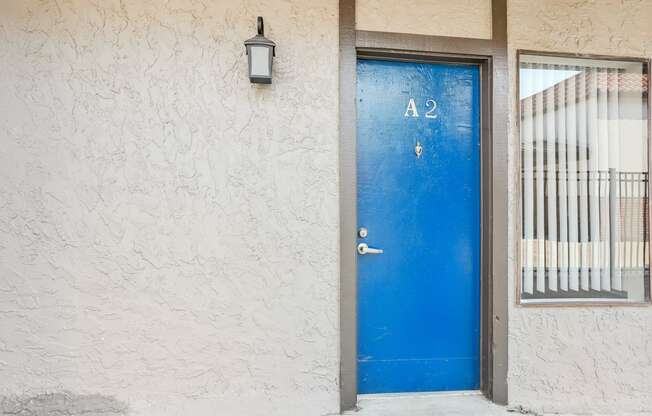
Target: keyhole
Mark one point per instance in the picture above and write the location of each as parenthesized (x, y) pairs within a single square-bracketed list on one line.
[(418, 150)]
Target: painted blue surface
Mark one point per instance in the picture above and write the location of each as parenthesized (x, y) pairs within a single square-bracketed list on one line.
[(419, 301)]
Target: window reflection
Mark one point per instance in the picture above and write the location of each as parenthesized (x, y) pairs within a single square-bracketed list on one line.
[(584, 180)]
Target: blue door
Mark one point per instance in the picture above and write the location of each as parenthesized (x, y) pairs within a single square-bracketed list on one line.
[(418, 167)]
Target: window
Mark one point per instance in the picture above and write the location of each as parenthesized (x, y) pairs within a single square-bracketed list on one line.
[(584, 180)]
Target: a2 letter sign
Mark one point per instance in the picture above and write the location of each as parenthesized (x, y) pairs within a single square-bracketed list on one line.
[(412, 111)]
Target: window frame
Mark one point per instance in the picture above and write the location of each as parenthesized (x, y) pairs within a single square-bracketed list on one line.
[(647, 66)]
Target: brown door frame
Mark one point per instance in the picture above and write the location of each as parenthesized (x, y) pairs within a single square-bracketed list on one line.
[(491, 55)]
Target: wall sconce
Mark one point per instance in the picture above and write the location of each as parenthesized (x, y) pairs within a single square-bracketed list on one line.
[(260, 53)]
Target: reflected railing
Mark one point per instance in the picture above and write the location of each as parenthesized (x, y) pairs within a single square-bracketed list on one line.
[(618, 201)]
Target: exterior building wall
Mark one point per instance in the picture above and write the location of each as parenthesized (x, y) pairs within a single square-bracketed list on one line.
[(168, 232), (459, 18), (584, 359)]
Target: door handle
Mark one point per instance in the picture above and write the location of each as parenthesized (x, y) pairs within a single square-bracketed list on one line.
[(363, 249)]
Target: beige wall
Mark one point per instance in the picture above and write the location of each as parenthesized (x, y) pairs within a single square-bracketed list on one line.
[(168, 232), (577, 359), (460, 18)]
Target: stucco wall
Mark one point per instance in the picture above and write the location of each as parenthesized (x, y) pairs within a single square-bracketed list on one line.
[(168, 232), (577, 359), (460, 18)]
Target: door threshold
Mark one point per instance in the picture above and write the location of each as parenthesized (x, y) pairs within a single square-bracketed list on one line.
[(408, 395), (447, 403)]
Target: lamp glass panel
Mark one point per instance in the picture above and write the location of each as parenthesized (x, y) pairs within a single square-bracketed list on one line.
[(260, 61)]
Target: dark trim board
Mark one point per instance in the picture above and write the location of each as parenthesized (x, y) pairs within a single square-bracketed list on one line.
[(348, 197), (499, 218), (491, 56)]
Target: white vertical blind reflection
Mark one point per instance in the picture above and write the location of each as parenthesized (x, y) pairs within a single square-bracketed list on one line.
[(593, 183), (539, 183), (583, 207), (583, 180), (528, 189), (613, 89), (562, 143), (550, 176), (573, 193)]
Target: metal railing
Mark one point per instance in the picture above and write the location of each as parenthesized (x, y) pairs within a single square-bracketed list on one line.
[(622, 205)]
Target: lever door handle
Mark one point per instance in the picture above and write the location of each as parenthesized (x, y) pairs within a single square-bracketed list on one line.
[(363, 249)]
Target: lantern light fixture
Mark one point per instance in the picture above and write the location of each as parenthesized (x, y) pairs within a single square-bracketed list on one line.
[(260, 54)]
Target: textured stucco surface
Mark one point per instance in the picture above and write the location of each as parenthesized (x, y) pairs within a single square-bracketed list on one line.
[(461, 18), (168, 232), (62, 403), (579, 360)]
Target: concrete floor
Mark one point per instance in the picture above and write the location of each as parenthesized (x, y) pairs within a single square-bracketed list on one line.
[(429, 404)]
